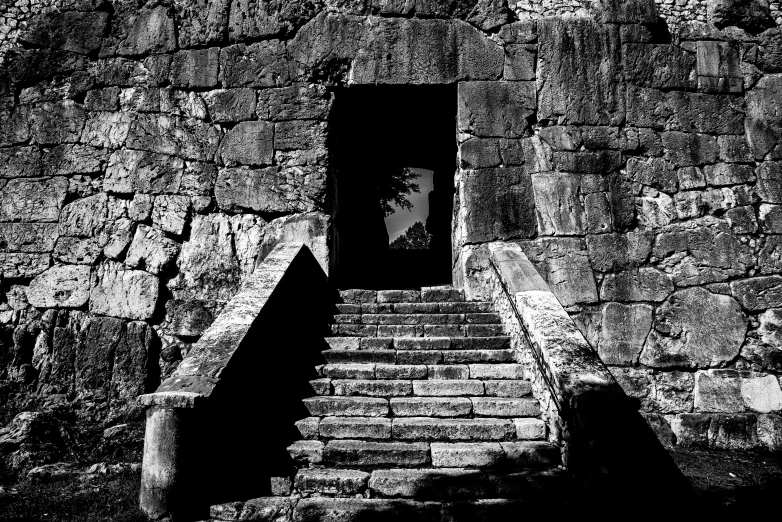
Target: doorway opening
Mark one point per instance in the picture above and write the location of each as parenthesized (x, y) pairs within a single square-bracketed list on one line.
[(394, 150)]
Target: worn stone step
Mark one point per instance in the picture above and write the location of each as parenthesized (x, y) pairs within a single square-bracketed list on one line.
[(355, 428), (360, 356), (508, 388), (505, 407), (354, 330), (430, 484), (407, 319), (328, 481), (449, 371), (428, 428), (419, 330), (325, 509), (494, 454), (359, 343), (497, 371), (347, 406), (478, 356), (373, 387), (401, 371), (349, 371), (441, 293), (500, 342), (448, 388), (422, 343), (431, 406), (306, 452), (347, 453), (358, 296)]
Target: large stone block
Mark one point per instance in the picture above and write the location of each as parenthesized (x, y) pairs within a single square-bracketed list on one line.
[(231, 105), (625, 11), (564, 264), (719, 68), (249, 143), (643, 284), (659, 66), (195, 69), (14, 127), (201, 22), (695, 328), (313, 229), (33, 200), (758, 293), (763, 127), (731, 391), (611, 252), (496, 109), (117, 292), (60, 287), (74, 31), (107, 129), (55, 123), (271, 189), (685, 111), (250, 20), (687, 149), (558, 204), (769, 182), (151, 250), (28, 237), (171, 213), (624, 330), (579, 73), (134, 172), (20, 162), (188, 318), (300, 101), (751, 15), (258, 65), (186, 138), (142, 31), (496, 204), (653, 172), (14, 265)]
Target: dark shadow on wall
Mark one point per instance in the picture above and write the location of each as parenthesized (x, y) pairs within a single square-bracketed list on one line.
[(250, 419), (621, 469), (387, 127)]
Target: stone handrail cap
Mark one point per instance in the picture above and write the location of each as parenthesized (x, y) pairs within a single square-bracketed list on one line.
[(172, 399)]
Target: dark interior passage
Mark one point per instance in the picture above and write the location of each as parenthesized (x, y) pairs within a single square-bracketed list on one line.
[(378, 129)]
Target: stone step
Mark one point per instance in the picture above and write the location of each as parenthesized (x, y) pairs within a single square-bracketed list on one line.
[(417, 319), (419, 343), (433, 294), (502, 358), (421, 330), (321, 508), (467, 307), (522, 454), (347, 406), (433, 429), (357, 453), (355, 428), (418, 372)]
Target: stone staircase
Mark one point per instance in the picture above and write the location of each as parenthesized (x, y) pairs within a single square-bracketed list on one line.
[(421, 412)]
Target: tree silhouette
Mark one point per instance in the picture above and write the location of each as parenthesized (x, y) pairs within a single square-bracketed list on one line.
[(394, 184), (415, 238)]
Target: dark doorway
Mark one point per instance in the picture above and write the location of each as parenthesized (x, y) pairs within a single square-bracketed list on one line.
[(378, 129)]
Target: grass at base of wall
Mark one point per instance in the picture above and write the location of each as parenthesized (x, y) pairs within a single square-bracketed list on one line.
[(102, 499)]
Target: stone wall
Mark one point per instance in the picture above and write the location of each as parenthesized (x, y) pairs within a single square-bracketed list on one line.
[(152, 151), (641, 176)]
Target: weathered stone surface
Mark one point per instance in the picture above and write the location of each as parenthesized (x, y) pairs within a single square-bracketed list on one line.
[(719, 67), (731, 391), (207, 267), (610, 252), (644, 284), (624, 330), (659, 66), (170, 213), (20, 162), (270, 189), (60, 287), (32, 200), (653, 172), (331, 481), (14, 265), (151, 250), (497, 204), (687, 149), (764, 104), (78, 32), (769, 182), (258, 65), (728, 174), (97, 222), (107, 129), (27, 237), (141, 31), (249, 21), (201, 22), (301, 101), (73, 159), (496, 109), (231, 105), (479, 153), (579, 73), (195, 69), (132, 294), (188, 318), (564, 264), (627, 12), (558, 204), (133, 172), (186, 138), (752, 16), (758, 293), (249, 143), (55, 123), (695, 328)]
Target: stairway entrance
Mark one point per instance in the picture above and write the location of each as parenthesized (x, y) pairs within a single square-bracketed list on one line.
[(377, 132)]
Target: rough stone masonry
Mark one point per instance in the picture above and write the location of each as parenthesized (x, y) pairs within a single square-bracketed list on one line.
[(152, 151)]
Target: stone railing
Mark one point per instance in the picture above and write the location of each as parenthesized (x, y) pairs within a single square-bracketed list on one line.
[(214, 427), (605, 442)]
